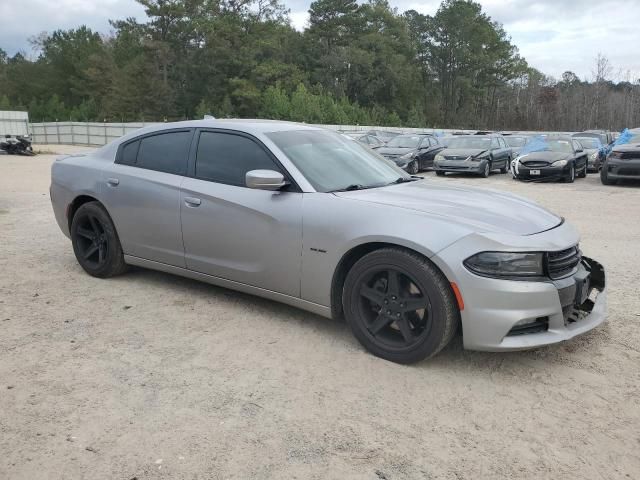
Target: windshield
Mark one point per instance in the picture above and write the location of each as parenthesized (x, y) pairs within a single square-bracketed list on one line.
[(558, 145), (405, 141), (515, 141), (331, 162), (483, 143), (590, 143)]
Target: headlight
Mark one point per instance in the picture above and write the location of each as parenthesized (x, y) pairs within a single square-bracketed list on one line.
[(407, 155), (438, 158), (593, 156), (476, 159), (506, 264), (559, 163)]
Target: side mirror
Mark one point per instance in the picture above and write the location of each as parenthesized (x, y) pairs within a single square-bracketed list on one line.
[(265, 180)]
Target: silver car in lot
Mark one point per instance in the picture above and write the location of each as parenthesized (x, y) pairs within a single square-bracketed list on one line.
[(310, 218)]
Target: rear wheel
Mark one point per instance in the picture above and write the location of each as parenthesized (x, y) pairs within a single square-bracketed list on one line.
[(399, 306), (95, 241), (505, 169)]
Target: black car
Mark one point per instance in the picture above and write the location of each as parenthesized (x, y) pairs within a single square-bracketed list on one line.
[(622, 163), (474, 154), (370, 140), (412, 152), (551, 158), (595, 152)]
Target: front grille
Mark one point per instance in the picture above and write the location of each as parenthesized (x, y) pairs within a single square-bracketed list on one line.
[(455, 157), (563, 263), (535, 163)]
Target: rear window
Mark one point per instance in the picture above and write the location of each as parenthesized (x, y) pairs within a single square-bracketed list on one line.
[(165, 152)]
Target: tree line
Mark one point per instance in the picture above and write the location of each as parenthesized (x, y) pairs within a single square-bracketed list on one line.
[(365, 64)]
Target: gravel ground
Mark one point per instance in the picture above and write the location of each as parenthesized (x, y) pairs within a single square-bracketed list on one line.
[(152, 376)]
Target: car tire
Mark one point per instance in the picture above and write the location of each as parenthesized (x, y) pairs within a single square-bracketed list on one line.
[(604, 176), (572, 174), (381, 296), (413, 167), (583, 173), (95, 241), (505, 169), (487, 170), (439, 173)]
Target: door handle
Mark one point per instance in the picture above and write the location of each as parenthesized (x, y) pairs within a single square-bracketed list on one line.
[(114, 182), (192, 201)]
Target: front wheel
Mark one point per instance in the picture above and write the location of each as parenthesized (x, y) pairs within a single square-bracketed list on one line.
[(604, 176), (399, 306), (572, 174), (95, 241), (413, 167), (583, 172), (487, 170), (439, 173)]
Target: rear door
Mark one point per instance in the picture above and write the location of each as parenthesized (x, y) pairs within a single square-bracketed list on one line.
[(141, 192), (235, 232)]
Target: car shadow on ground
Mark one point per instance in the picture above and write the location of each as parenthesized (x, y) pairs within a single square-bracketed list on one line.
[(452, 358)]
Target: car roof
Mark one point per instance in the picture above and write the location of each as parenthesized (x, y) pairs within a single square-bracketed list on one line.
[(253, 126)]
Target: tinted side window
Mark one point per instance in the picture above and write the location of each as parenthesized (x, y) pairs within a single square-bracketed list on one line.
[(226, 158), (166, 152), (129, 153), (494, 143)]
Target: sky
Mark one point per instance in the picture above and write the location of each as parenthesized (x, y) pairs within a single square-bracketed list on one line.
[(552, 35)]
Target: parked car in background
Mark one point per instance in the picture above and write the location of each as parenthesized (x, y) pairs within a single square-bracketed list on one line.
[(405, 261), (623, 163), (516, 142), (383, 135), (595, 152), (554, 157), (412, 152), (604, 136), (370, 140), (480, 154)]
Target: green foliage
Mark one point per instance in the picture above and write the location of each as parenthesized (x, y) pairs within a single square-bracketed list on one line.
[(356, 63)]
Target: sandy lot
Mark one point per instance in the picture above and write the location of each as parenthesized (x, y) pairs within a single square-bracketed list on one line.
[(151, 376)]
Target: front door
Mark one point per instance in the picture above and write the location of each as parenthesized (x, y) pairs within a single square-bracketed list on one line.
[(235, 232)]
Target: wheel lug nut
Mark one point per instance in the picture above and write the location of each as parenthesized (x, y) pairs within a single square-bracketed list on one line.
[(398, 315), (388, 312), (393, 297), (402, 305), (386, 301)]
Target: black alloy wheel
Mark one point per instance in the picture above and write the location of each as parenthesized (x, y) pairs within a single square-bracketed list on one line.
[(95, 242), (413, 167), (399, 305)]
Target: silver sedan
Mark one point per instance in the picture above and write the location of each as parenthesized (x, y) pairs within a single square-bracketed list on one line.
[(310, 218)]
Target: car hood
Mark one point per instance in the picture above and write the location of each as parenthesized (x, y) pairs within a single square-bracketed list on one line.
[(462, 152), (480, 210), (394, 151), (546, 156)]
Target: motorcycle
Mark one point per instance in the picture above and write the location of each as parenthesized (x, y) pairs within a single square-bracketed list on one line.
[(18, 145)]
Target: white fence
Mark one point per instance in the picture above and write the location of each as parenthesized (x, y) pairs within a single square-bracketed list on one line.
[(98, 134), (14, 123), (81, 133)]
